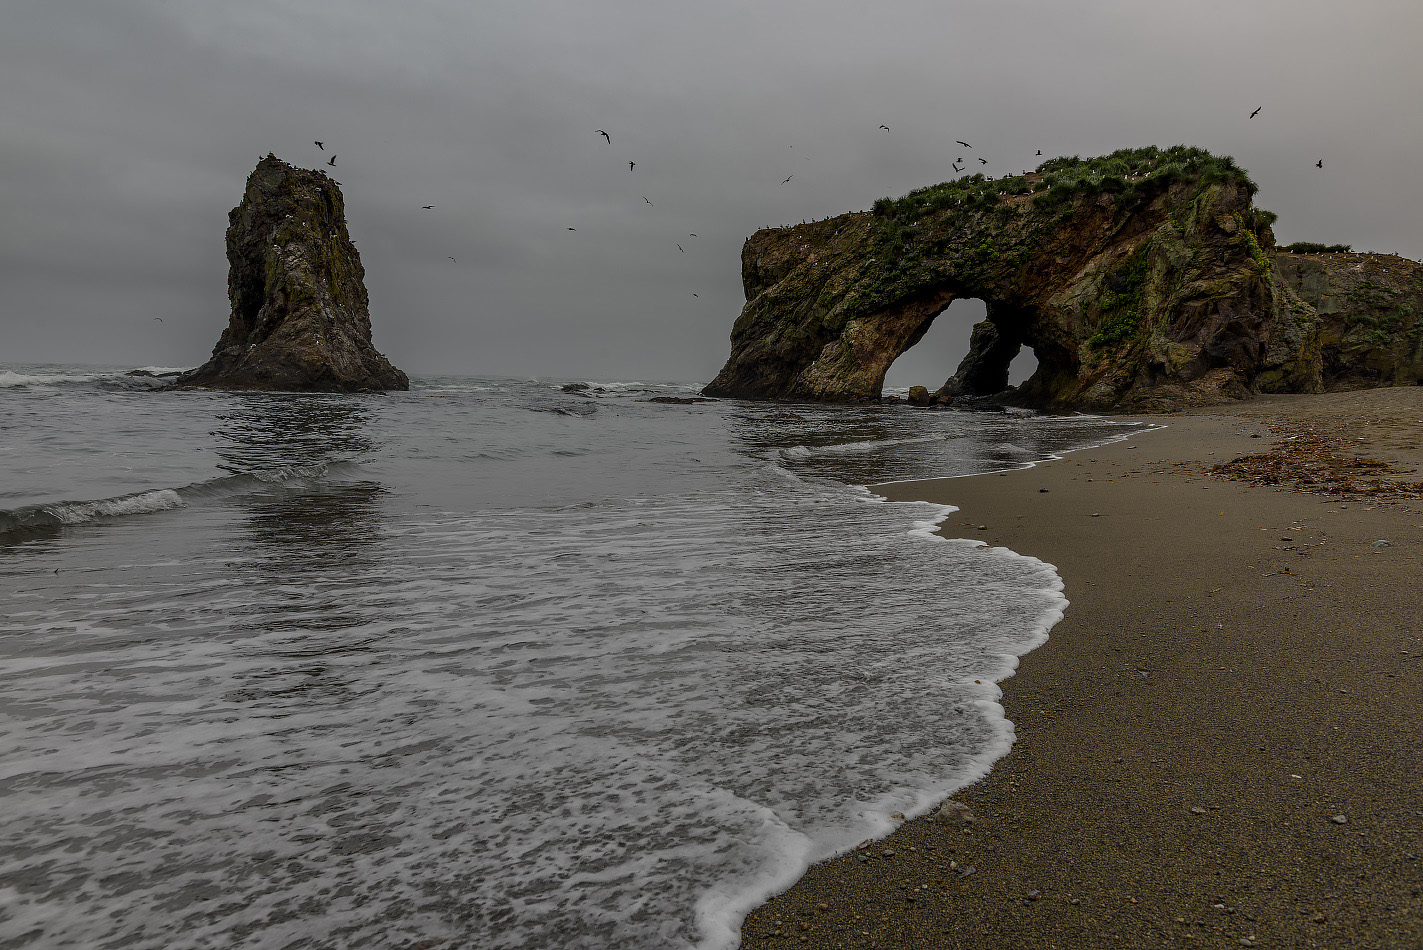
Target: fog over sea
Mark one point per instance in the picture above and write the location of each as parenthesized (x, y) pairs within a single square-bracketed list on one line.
[(487, 663)]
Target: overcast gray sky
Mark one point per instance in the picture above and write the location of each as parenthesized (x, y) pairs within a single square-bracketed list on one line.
[(128, 127)]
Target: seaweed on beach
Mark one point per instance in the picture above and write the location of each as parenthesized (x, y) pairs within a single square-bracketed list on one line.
[(1308, 461)]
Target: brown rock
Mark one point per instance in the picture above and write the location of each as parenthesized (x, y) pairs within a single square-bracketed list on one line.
[(299, 318)]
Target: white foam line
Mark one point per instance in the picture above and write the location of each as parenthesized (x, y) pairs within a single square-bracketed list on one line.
[(853, 448), (1152, 427), (720, 914)]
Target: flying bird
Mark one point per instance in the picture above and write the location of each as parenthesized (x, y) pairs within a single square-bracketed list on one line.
[(984, 160), (605, 135), (696, 295), (1319, 164), (957, 169), (454, 260), (691, 235), (644, 198), (787, 178), (964, 144), (321, 146), (159, 319), (885, 127), (427, 207), (573, 229), (1040, 151), (679, 247), (632, 165), (1256, 112), (332, 161)]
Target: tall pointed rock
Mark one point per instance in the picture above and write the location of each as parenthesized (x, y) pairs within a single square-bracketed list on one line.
[(299, 317)]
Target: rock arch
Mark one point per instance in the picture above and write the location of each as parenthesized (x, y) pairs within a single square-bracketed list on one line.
[(1144, 280)]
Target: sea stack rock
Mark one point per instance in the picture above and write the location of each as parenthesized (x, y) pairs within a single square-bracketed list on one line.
[(299, 319), (1143, 281)]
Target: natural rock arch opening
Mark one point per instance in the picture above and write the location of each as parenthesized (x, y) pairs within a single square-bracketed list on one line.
[(1010, 359), (939, 354), (1023, 367), (939, 351)]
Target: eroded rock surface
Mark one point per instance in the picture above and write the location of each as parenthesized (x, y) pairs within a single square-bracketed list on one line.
[(1143, 281), (300, 319)]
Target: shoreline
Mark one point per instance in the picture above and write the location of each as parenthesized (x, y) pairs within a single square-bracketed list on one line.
[(1238, 667)]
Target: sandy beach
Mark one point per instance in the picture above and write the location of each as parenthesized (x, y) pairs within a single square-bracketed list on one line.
[(1219, 744)]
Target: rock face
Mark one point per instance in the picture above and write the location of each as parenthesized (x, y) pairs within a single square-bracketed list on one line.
[(1142, 281), (299, 317)]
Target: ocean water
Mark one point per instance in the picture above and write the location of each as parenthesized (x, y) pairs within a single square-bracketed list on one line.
[(487, 663)]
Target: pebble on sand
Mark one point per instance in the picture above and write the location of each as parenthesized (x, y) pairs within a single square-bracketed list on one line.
[(953, 812)]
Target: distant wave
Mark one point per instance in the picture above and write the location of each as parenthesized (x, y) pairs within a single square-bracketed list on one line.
[(148, 377), (65, 514)]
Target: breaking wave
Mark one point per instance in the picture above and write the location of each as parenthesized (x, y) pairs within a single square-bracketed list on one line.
[(68, 514), (65, 514)]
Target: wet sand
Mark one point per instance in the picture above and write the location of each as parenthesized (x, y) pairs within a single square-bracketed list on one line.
[(1219, 746)]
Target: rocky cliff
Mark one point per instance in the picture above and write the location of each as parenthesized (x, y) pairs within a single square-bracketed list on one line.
[(1143, 281), (299, 317)]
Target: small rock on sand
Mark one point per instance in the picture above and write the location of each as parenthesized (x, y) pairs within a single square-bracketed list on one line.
[(1340, 819), (953, 812)]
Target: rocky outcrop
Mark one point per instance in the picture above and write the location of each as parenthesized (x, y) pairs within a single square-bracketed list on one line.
[(1351, 321), (1142, 281), (299, 317)]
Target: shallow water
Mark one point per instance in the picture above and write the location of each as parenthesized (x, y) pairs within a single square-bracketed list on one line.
[(487, 662)]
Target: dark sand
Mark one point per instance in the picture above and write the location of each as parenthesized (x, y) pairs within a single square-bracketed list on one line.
[(1245, 651)]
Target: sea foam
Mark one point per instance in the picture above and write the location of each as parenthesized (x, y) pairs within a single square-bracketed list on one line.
[(437, 667)]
